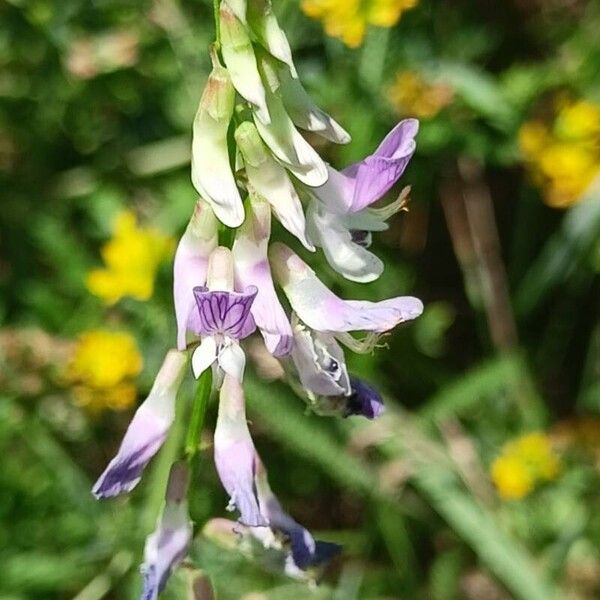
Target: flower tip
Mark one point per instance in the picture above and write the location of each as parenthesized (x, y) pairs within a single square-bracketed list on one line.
[(115, 480)]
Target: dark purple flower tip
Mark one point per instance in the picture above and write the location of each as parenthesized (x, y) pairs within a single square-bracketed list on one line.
[(225, 313), (365, 400), (307, 552), (361, 237)]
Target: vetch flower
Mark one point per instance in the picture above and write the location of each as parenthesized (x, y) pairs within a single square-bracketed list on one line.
[(320, 362), (132, 258), (224, 318), (212, 175), (146, 432), (239, 58), (364, 400), (190, 267), (345, 239), (252, 268), (281, 136), (305, 550), (322, 310), (267, 178), (101, 369), (234, 453), (363, 183), (167, 546)]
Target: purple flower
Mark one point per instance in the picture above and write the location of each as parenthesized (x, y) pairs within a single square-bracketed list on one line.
[(364, 400), (252, 268), (146, 432), (167, 546), (305, 550), (190, 267), (322, 310), (365, 182), (234, 453), (320, 362), (223, 318)]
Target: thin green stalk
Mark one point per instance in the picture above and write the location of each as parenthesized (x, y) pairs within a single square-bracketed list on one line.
[(203, 391), (216, 4)]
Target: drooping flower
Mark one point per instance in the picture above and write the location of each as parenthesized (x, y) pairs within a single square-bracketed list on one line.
[(212, 175), (102, 368), (190, 268), (305, 550), (146, 432), (167, 546), (224, 318), (234, 453), (523, 464), (348, 19), (252, 268), (319, 361), (318, 307), (364, 400), (132, 258)]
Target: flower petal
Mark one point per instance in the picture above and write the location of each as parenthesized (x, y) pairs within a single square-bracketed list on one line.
[(320, 362), (306, 552), (224, 313), (167, 546), (322, 310), (344, 255), (146, 432), (365, 400), (233, 360), (190, 267), (204, 356), (234, 453), (252, 268)]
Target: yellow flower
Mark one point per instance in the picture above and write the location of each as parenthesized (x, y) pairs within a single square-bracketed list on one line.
[(132, 258), (348, 19), (522, 464), (563, 156), (411, 94), (101, 369)]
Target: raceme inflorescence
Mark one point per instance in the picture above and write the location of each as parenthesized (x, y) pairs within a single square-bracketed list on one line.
[(251, 166)]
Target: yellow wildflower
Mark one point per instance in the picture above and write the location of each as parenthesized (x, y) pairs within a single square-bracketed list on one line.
[(101, 369), (348, 19), (412, 95), (522, 464), (563, 156), (132, 258)]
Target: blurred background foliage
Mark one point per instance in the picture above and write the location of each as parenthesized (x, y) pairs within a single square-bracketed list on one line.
[(482, 479)]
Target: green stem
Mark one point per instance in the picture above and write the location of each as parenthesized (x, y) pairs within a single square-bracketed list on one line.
[(203, 391), (216, 4)]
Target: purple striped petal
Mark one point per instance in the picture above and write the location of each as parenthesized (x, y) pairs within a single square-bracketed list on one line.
[(225, 313)]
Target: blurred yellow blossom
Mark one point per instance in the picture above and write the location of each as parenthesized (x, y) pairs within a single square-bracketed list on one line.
[(563, 156), (522, 464), (132, 258), (348, 19), (101, 369), (412, 95)]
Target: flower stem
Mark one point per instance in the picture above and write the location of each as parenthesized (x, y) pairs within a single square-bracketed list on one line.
[(216, 4), (201, 398)]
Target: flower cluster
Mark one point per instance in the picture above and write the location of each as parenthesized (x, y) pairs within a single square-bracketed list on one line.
[(563, 155), (132, 258), (523, 464), (101, 370), (412, 94), (348, 19), (227, 284)]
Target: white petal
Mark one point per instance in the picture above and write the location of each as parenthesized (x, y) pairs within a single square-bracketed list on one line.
[(204, 356), (347, 258), (233, 360)]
